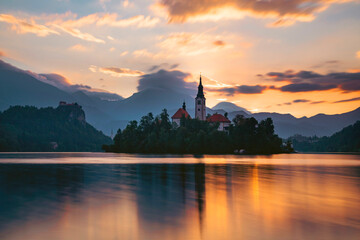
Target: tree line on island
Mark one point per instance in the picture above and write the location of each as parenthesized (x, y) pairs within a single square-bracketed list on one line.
[(159, 135)]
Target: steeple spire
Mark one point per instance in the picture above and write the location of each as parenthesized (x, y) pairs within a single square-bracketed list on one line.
[(184, 105), (200, 93)]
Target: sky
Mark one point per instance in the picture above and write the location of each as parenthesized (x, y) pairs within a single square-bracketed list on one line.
[(288, 56)]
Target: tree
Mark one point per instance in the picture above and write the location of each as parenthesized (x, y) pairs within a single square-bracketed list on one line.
[(194, 136)]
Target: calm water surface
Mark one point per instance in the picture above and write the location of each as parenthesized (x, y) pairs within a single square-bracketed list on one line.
[(117, 196)]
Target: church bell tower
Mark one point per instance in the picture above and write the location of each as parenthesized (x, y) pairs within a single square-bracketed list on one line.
[(200, 107)]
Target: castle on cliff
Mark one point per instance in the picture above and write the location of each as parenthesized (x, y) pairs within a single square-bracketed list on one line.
[(200, 112)]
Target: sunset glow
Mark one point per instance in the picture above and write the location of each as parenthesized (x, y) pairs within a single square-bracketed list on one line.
[(298, 57)]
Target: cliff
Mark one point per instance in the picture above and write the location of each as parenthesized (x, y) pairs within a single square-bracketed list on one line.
[(48, 129)]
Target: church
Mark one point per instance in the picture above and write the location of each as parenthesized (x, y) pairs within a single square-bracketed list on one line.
[(200, 112)]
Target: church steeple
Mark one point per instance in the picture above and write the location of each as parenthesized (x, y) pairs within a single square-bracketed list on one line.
[(200, 93), (200, 106), (184, 105)]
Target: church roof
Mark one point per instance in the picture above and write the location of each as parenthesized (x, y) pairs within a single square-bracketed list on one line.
[(180, 113), (218, 118)]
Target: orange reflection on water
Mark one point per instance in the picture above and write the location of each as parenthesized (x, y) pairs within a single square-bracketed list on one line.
[(182, 201)]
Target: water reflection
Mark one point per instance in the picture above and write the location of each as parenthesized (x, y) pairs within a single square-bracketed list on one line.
[(179, 201)]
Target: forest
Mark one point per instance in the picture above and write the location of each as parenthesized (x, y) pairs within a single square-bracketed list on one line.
[(346, 140), (29, 129), (159, 135)]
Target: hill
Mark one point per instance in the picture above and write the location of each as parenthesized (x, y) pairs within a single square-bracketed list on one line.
[(63, 129), (346, 140), (229, 107)]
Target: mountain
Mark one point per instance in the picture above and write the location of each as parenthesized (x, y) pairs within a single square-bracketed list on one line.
[(19, 88), (229, 107), (63, 129), (347, 140), (109, 112), (105, 111), (151, 100), (287, 125)]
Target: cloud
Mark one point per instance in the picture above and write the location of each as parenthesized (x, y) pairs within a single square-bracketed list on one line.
[(348, 100), (358, 54), (169, 80), (318, 102), (55, 80), (219, 43), (305, 81), (163, 66), (30, 26), (120, 72), (64, 84), (301, 101), (124, 53), (305, 87), (79, 48), (2, 54), (243, 89), (116, 72), (93, 68), (191, 44), (330, 63), (143, 53), (22, 26), (78, 34), (285, 13), (69, 23), (106, 19)]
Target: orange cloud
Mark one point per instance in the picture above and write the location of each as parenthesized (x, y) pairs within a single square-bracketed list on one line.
[(23, 26), (79, 48), (286, 13), (78, 34), (124, 53), (144, 53), (358, 54), (192, 44), (107, 19), (116, 72)]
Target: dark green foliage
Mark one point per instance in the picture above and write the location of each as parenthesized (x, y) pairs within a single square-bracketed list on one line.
[(347, 140), (29, 129), (158, 135)]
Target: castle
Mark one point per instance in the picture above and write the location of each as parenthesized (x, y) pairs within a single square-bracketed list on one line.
[(200, 112)]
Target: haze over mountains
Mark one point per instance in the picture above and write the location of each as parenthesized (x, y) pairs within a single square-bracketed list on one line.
[(108, 111)]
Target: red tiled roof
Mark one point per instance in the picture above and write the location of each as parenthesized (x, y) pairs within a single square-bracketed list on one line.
[(180, 113), (218, 118)]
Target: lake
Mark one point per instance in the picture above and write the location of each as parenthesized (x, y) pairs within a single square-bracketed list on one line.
[(123, 196)]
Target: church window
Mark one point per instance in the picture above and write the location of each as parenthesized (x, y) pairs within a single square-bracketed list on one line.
[(199, 109), (199, 101)]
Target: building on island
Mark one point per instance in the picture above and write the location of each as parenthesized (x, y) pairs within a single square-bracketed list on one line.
[(200, 112), (224, 123), (179, 114), (63, 103)]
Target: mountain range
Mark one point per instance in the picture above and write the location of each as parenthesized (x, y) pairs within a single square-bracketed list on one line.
[(108, 111)]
